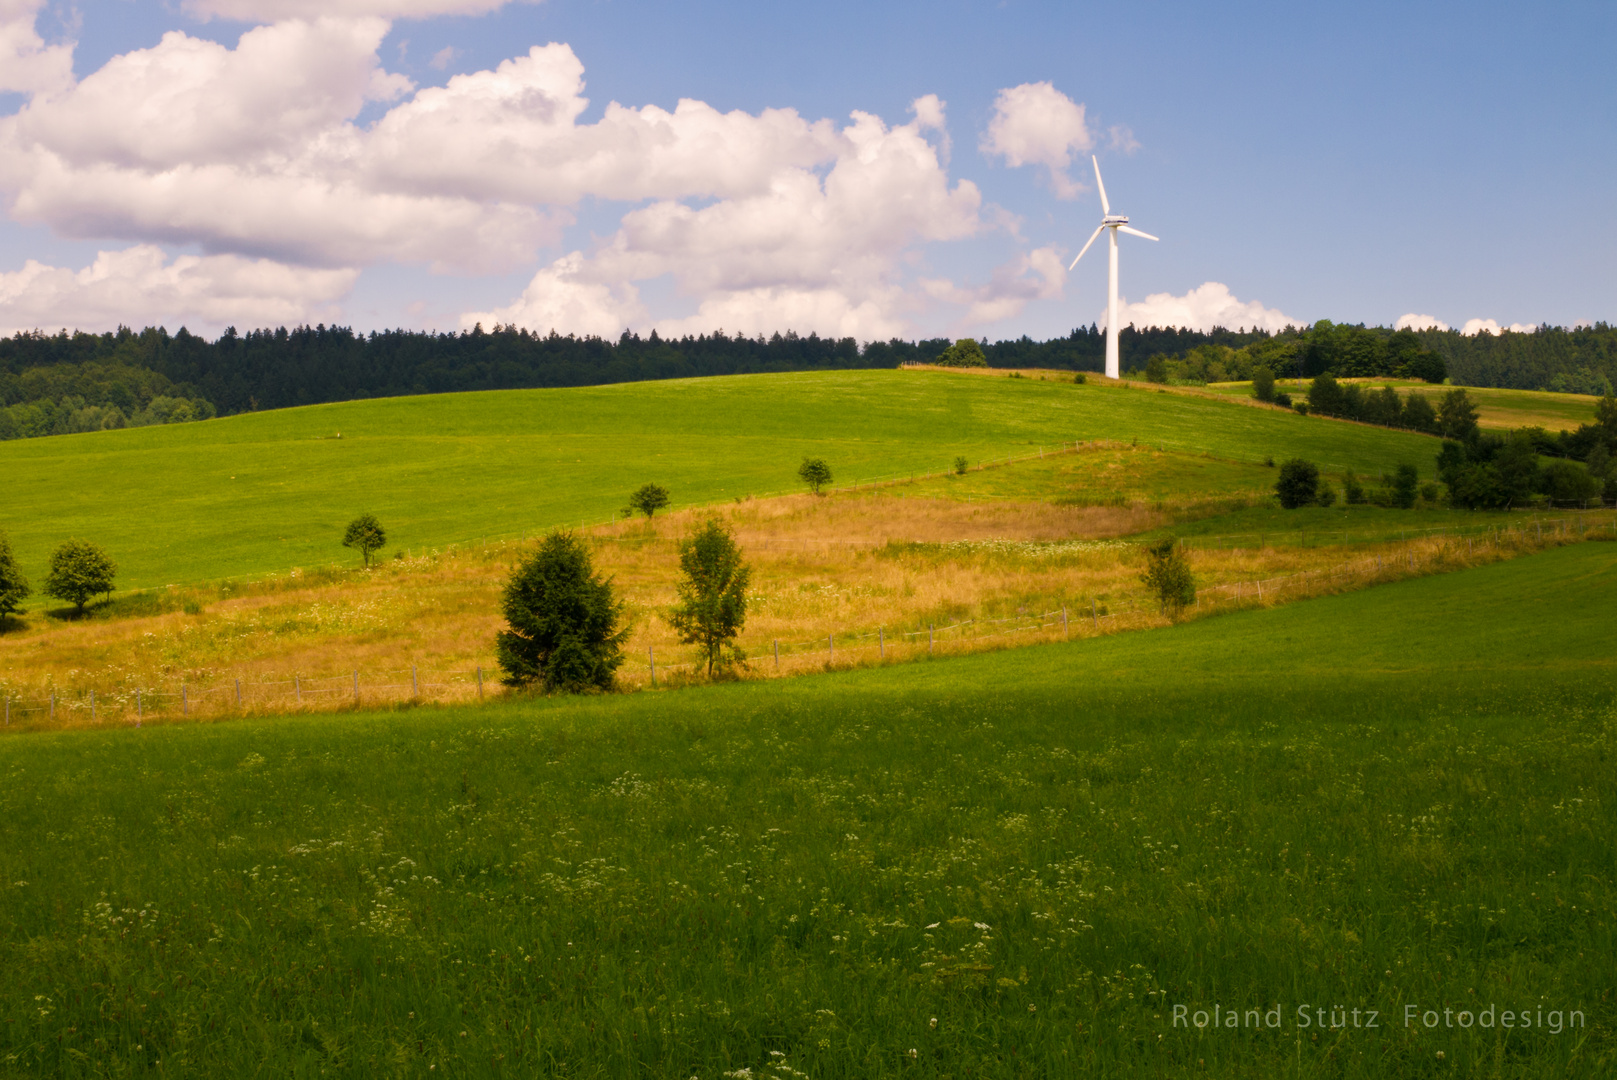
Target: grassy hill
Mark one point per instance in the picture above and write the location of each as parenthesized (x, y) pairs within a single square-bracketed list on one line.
[(1502, 410), (262, 492), (1018, 864)]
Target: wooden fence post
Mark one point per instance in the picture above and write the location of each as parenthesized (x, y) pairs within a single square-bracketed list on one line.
[(480, 680), (1093, 618), (415, 688), (881, 643), (1065, 632), (297, 687), (777, 654), (651, 658), (356, 686), (831, 647), (185, 702), (931, 633), (92, 706)]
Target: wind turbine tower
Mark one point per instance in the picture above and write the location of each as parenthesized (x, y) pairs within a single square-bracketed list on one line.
[(1116, 223)]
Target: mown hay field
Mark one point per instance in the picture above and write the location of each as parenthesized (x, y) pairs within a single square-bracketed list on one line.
[(1027, 863)]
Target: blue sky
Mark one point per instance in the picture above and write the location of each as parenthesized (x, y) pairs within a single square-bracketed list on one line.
[(1356, 162)]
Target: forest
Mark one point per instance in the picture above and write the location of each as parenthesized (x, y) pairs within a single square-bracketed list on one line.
[(77, 381)]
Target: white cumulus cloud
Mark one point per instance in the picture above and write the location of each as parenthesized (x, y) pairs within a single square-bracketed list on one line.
[(1202, 308), (140, 286), (1473, 327), (1036, 124), (1413, 321), (559, 299), (27, 64)]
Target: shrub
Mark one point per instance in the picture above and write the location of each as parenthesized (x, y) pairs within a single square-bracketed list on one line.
[(1352, 490), (563, 621), (712, 606), (1430, 492), (1300, 406), (1405, 483), (1325, 396), (1298, 484), (78, 571), (1263, 384), (1326, 495), (1167, 574), (366, 534), (964, 353), (14, 588), (1080, 378), (1456, 414), (1569, 482), (649, 499), (815, 473), (1284, 401), (1419, 415), (1156, 370), (960, 466)]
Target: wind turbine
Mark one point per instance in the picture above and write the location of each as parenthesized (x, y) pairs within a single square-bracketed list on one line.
[(1116, 223)]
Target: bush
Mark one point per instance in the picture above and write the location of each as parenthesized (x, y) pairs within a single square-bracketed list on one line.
[(1080, 378), (1284, 401), (563, 621), (1326, 496), (1419, 415), (1325, 396), (1300, 406), (14, 588), (1352, 490), (712, 606), (366, 534), (960, 466), (1405, 483), (1456, 414), (1167, 574), (78, 571), (815, 473), (1156, 370), (649, 499), (964, 353), (1298, 484), (1569, 482), (1431, 493), (1263, 384)]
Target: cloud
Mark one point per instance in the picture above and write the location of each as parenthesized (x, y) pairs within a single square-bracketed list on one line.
[(139, 286), (1036, 124), (27, 64), (513, 133), (1413, 321), (807, 253), (248, 150), (1202, 308), (269, 11), (1034, 275), (1473, 327), (559, 299), (443, 58)]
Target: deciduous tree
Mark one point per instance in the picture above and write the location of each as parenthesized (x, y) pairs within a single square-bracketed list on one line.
[(14, 588), (712, 591), (78, 571), (649, 499), (815, 473), (366, 534)]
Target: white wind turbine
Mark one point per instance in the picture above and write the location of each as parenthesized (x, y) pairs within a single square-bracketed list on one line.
[(1116, 223)]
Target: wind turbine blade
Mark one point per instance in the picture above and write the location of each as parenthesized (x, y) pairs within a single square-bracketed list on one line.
[(1105, 207), (1092, 237), (1135, 232)]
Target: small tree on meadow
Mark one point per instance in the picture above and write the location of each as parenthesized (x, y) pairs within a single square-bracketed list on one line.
[(1405, 486), (1167, 575), (78, 571), (649, 499), (563, 621), (14, 588), (1263, 384), (366, 534), (815, 473), (712, 606), (1298, 484)]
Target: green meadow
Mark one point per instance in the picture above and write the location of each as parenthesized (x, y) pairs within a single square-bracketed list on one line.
[(1501, 409), (1051, 861), (263, 492)]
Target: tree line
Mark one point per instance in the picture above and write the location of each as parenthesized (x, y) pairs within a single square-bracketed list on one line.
[(76, 381)]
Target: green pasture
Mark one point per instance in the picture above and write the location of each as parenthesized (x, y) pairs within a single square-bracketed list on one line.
[(1496, 408), (263, 492), (1008, 865)]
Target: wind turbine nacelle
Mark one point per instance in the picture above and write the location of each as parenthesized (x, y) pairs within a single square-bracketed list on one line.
[(1115, 219)]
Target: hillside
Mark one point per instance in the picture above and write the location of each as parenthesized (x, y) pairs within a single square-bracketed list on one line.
[(262, 492), (1008, 865)]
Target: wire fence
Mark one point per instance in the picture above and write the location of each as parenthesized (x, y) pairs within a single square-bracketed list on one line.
[(1078, 617)]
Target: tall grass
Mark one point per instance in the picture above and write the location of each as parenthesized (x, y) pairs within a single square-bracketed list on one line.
[(1009, 865)]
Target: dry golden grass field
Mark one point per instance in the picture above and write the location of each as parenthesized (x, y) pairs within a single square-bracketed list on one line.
[(1000, 556)]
